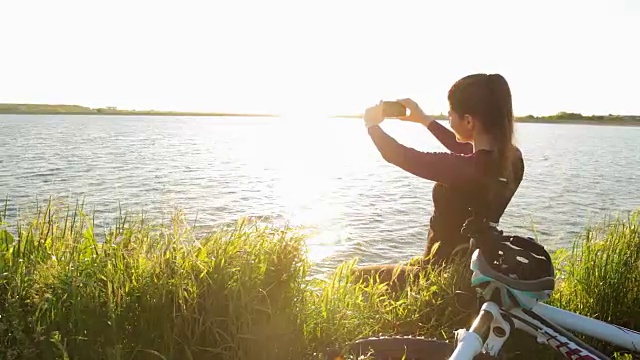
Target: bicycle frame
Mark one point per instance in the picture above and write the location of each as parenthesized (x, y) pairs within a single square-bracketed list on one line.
[(614, 334), (495, 324)]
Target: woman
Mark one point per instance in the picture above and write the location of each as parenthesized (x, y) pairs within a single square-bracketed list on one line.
[(483, 170)]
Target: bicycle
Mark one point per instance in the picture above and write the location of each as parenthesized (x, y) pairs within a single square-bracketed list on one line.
[(513, 276)]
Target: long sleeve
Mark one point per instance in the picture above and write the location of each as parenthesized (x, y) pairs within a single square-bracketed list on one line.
[(441, 167), (448, 139)]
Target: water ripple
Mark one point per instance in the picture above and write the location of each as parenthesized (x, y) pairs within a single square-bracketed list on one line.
[(328, 179)]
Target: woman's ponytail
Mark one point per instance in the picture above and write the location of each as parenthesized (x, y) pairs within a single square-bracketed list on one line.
[(501, 130)]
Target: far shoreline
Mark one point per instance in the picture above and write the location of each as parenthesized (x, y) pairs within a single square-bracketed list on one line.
[(142, 113), (536, 120), (632, 123), (68, 110), (581, 122)]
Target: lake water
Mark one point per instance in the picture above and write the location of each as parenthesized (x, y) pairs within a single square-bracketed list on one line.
[(325, 176)]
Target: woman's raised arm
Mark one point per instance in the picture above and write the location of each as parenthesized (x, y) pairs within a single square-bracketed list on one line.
[(448, 139)]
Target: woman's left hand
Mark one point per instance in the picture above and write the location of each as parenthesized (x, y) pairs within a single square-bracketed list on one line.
[(373, 116)]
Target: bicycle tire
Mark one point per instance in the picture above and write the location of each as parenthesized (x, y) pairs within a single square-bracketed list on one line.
[(402, 347)]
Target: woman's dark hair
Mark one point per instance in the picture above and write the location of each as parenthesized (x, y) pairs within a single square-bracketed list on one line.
[(487, 97)]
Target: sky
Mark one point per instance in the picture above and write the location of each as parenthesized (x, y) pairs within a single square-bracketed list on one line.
[(322, 57)]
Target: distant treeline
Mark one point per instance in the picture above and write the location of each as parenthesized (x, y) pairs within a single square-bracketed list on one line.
[(561, 116), (83, 110), (44, 109), (577, 116)]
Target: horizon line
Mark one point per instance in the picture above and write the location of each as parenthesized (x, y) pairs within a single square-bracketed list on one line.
[(112, 110)]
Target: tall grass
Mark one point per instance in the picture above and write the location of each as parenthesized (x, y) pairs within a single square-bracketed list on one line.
[(144, 290), (148, 291), (601, 273)]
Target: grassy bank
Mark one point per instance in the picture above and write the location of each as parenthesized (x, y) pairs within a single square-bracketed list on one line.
[(152, 291)]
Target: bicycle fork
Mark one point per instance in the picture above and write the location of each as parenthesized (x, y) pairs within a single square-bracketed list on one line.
[(488, 333), (492, 327)]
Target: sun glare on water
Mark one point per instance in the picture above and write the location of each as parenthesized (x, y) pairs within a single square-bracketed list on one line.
[(306, 184)]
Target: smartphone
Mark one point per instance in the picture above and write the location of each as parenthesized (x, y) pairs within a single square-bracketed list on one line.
[(391, 109)]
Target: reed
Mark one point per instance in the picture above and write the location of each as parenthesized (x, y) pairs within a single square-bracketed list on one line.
[(143, 290)]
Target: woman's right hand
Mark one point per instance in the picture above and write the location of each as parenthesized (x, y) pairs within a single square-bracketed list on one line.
[(415, 113)]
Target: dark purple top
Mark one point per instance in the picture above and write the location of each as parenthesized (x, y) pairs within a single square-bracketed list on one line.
[(464, 179)]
